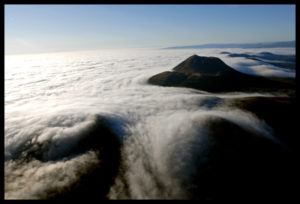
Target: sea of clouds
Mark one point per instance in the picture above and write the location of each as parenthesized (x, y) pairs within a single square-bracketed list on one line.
[(54, 98)]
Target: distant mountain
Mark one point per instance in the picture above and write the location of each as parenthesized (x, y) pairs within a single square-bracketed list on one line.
[(241, 45), (213, 75)]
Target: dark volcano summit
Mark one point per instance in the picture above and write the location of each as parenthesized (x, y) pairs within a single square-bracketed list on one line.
[(213, 75), (204, 65)]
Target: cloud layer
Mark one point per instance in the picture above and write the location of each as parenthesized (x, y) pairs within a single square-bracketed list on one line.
[(55, 98)]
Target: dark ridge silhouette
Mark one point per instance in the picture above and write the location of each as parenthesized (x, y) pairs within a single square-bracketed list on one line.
[(95, 182), (213, 75), (243, 164), (204, 65), (277, 112)]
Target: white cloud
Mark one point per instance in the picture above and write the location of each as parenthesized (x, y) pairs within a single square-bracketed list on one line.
[(56, 97)]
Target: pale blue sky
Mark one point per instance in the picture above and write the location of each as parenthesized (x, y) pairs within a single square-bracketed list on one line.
[(48, 28)]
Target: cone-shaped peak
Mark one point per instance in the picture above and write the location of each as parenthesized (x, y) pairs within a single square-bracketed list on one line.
[(213, 75), (202, 65)]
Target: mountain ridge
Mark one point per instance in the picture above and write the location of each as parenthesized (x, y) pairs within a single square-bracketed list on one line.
[(238, 45), (213, 75)]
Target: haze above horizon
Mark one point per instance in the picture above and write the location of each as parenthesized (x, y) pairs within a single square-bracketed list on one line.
[(55, 28)]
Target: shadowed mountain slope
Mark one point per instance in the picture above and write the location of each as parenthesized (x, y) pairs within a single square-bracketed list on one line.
[(242, 164), (278, 112), (213, 75)]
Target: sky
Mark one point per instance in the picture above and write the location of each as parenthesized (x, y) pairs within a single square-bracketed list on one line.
[(55, 28)]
